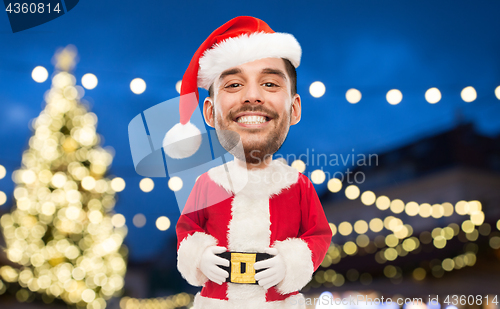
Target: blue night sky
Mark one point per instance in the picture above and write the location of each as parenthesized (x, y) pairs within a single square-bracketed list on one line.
[(373, 46)]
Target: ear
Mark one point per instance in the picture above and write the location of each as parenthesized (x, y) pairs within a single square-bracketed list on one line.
[(296, 110), (208, 112)]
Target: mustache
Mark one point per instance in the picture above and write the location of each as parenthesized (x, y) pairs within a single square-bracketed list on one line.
[(253, 108)]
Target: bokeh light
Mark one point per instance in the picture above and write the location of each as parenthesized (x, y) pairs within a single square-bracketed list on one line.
[(334, 185), (383, 202), (361, 227), (497, 92), (118, 220), (353, 96), (146, 184), (299, 165), (433, 95), (345, 228), (39, 74), (376, 225), (368, 198), (352, 192), (333, 227), (138, 85), (3, 172), (318, 177), (139, 220), (317, 89), (163, 223), (118, 184), (412, 209), (394, 96), (175, 183), (89, 81), (178, 86), (468, 94), (3, 198)]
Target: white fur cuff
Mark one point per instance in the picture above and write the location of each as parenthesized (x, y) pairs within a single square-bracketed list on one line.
[(298, 263), (189, 257)]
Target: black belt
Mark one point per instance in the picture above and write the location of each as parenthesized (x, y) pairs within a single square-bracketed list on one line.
[(241, 266)]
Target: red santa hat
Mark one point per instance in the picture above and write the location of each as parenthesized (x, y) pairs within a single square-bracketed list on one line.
[(242, 39)]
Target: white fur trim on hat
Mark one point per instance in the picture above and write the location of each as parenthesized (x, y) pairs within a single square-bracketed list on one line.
[(189, 257), (182, 141), (246, 48), (298, 263)]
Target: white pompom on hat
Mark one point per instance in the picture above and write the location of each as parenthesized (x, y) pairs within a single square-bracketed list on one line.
[(242, 39)]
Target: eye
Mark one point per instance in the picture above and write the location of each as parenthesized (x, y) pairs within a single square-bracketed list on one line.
[(233, 85), (270, 85)]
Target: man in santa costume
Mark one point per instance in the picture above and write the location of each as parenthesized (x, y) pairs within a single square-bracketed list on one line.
[(253, 230)]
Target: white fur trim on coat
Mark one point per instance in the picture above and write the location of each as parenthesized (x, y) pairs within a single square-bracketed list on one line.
[(254, 183), (250, 227), (189, 257), (292, 302), (298, 263), (246, 48)]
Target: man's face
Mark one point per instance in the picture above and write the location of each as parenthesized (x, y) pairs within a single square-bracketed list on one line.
[(254, 101)]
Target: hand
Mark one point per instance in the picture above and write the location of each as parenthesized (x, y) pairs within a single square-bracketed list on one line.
[(275, 271), (209, 262)]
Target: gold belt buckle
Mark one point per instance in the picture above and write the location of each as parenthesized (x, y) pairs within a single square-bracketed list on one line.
[(242, 270)]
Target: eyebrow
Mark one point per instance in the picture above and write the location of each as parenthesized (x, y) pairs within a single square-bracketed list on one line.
[(229, 72), (274, 71), (264, 71)]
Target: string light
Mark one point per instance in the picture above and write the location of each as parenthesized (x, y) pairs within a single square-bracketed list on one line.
[(352, 192), (138, 85), (3, 198), (139, 220), (334, 185), (383, 202), (318, 177), (299, 165), (3, 172), (468, 94), (175, 183), (433, 95), (170, 302), (333, 227), (317, 89), (368, 198), (178, 86), (345, 228), (146, 185), (163, 223), (394, 96), (361, 226), (353, 96), (118, 184), (392, 252)]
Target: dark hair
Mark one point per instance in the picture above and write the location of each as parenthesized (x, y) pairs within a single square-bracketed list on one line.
[(290, 71)]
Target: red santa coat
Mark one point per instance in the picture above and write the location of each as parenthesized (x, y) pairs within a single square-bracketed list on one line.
[(249, 211)]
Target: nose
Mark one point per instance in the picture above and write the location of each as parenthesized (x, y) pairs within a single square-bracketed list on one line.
[(253, 93)]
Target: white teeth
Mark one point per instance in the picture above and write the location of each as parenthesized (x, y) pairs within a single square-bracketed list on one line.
[(252, 119)]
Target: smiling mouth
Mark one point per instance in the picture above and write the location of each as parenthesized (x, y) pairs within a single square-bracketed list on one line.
[(252, 119)]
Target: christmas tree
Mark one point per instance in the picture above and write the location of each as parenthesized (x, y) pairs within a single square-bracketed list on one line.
[(61, 230)]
